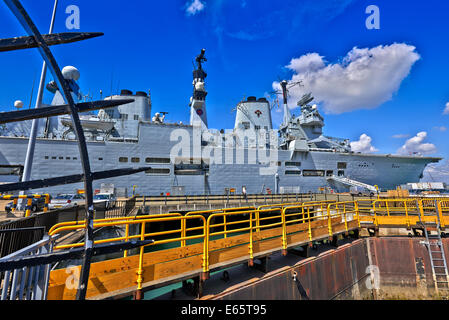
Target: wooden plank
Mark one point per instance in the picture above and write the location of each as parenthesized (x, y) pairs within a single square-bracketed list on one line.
[(129, 263), (121, 280), (302, 237), (266, 245), (119, 274), (220, 256)]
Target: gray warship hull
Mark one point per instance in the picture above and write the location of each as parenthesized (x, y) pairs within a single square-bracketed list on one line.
[(192, 159), (54, 158)]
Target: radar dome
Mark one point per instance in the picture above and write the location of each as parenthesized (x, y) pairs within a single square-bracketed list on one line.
[(18, 104), (70, 73)]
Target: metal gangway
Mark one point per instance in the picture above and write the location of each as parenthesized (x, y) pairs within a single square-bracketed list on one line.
[(353, 183), (173, 247)]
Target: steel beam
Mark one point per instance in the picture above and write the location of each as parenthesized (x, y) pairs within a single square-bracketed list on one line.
[(28, 42), (76, 178), (22, 16), (77, 253), (51, 111)]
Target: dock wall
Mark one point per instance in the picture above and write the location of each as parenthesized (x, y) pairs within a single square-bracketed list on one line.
[(370, 268)]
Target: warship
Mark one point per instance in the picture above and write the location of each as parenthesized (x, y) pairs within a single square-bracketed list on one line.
[(192, 159)]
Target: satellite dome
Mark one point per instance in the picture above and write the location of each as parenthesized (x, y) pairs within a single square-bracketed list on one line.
[(70, 73), (18, 104)]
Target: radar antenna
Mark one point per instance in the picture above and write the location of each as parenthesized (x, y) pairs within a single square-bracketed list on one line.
[(200, 59), (306, 99), (286, 86)]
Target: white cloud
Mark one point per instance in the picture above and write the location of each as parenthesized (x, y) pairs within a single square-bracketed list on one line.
[(442, 128), (311, 62), (194, 7), (416, 145), (446, 109), (401, 136), (364, 79), (437, 172), (363, 145)]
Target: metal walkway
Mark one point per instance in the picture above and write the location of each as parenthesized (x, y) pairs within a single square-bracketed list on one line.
[(192, 245), (352, 183)]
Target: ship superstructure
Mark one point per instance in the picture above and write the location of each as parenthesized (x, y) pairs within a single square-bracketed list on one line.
[(193, 159)]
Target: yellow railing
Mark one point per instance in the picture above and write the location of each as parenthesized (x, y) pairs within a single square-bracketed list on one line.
[(232, 228), (144, 222)]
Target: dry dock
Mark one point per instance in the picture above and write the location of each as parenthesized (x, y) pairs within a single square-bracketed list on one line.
[(323, 249)]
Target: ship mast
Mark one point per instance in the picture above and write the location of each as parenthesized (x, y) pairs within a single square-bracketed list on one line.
[(198, 115), (287, 114)]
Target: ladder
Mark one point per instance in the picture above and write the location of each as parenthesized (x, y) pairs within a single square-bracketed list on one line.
[(436, 254)]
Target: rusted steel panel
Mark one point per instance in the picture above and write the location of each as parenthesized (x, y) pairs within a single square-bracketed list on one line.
[(319, 278), (397, 261)]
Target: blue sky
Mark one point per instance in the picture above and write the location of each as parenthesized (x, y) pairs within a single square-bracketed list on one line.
[(151, 45)]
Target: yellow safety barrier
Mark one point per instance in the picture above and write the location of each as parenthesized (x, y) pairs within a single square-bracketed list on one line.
[(206, 240), (283, 205), (29, 201), (405, 212)]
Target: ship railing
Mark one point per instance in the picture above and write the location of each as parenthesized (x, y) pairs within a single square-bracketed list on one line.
[(136, 228), (290, 204), (26, 282), (403, 212), (347, 210), (224, 199), (206, 234), (203, 241)]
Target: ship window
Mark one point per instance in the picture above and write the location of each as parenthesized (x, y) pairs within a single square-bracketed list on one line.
[(136, 117), (123, 159), (313, 173), (100, 159), (293, 172), (292, 164), (341, 173), (61, 158), (53, 158), (135, 160), (341, 165), (67, 158), (257, 127), (329, 173), (47, 157), (124, 116), (157, 160), (75, 158), (158, 171), (245, 125)]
